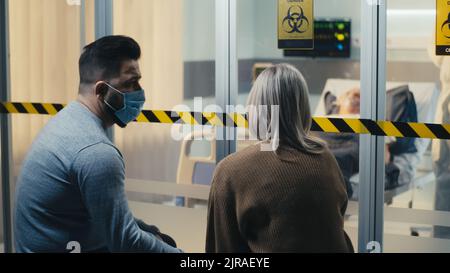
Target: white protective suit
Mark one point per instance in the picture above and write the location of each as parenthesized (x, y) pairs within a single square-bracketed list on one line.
[(441, 148)]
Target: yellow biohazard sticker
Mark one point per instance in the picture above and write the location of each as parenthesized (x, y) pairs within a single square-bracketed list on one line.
[(296, 24), (442, 27)]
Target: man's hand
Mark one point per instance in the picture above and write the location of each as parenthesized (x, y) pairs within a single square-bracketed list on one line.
[(156, 232)]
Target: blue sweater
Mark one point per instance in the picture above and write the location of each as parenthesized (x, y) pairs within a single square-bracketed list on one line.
[(71, 188)]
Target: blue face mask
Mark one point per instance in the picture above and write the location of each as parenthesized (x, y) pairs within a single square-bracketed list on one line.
[(133, 102)]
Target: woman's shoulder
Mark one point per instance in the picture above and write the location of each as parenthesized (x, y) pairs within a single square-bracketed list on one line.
[(327, 158), (327, 154)]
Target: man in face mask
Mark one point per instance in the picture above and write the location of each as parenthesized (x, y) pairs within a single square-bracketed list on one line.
[(70, 191), (115, 96)]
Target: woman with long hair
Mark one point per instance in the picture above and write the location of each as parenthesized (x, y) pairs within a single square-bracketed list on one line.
[(290, 198)]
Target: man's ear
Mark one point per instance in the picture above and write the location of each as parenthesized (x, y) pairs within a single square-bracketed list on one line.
[(100, 89)]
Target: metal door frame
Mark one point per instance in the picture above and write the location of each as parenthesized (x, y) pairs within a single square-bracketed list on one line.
[(373, 106)]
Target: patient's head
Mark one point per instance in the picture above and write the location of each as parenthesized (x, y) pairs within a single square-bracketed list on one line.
[(349, 102), (284, 86)]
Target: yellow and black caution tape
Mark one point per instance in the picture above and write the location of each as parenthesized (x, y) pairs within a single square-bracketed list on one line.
[(319, 124), (30, 108)]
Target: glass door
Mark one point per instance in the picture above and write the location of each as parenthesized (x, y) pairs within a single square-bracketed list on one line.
[(331, 69), (417, 178), (169, 167), (44, 46)]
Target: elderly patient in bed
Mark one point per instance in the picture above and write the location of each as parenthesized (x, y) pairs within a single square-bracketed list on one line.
[(400, 106)]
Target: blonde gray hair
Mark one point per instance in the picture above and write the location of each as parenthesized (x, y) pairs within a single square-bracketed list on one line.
[(284, 87)]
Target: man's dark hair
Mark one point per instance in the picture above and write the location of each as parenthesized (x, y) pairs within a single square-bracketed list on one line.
[(102, 59)]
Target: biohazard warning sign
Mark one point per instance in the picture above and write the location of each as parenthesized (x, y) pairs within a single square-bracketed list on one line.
[(442, 27), (296, 24)]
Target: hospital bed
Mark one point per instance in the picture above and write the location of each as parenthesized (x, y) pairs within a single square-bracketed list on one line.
[(413, 171)]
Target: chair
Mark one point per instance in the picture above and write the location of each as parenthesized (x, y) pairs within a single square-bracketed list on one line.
[(195, 169), (200, 170)]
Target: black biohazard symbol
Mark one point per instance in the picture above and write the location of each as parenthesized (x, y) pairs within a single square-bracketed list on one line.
[(446, 24), (295, 20)]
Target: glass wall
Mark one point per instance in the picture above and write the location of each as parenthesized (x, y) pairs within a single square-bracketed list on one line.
[(417, 179), (45, 44), (178, 66), (332, 73), (168, 172)]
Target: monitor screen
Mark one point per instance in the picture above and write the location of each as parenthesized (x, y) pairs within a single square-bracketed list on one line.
[(332, 38)]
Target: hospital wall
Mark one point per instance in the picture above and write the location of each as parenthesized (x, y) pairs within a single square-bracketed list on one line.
[(257, 42)]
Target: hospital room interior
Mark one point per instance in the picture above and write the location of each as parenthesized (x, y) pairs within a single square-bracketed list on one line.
[(167, 179)]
